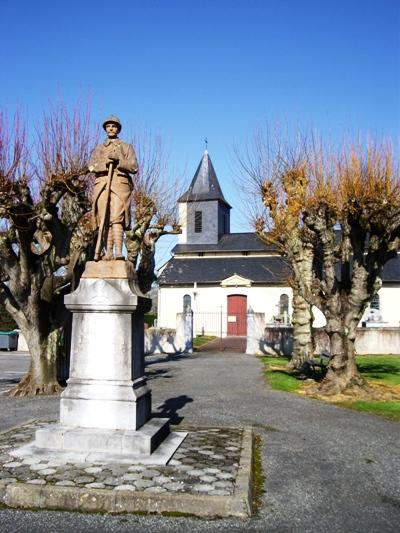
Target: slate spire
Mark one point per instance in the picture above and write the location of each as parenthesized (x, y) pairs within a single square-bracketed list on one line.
[(205, 185)]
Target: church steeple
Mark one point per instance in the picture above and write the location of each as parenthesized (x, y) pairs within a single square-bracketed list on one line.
[(205, 185), (204, 212)]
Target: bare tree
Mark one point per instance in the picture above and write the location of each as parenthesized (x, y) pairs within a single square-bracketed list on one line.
[(359, 189), (46, 237), (43, 232), (274, 179), (337, 218), (154, 208)]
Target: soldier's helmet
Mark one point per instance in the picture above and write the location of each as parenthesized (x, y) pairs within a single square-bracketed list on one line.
[(114, 120)]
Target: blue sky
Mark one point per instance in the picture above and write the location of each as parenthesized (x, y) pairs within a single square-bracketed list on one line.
[(217, 69)]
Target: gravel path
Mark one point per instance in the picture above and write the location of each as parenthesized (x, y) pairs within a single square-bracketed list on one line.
[(327, 469)]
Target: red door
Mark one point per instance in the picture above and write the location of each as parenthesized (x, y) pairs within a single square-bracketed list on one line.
[(237, 315)]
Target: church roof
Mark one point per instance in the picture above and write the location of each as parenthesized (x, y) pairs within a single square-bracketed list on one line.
[(204, 185), (229, 242), (186, 271), (271, 270), (391, 271)]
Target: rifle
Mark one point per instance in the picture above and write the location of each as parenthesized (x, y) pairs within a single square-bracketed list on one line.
[(103, 220)]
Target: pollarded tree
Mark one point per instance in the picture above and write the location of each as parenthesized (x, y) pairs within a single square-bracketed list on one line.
[(43, 233), (46, 236), (276, 174), (340, 220), (154, 208), (360, 190)]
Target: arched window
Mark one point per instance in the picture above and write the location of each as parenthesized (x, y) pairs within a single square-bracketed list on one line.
[(187, 303), (375, 302), (283, 304)]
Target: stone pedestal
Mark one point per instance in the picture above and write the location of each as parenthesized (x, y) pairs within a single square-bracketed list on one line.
[(105, 411), (107, 387)]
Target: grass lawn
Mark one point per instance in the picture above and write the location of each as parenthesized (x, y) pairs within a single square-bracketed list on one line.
[(381, 369), (387, 409)]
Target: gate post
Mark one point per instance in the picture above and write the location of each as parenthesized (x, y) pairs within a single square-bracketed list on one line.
[(184, 332), (255, 331), (188, 321), (250, 348)]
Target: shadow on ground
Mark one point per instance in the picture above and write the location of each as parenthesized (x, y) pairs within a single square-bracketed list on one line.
[(169, 409), (158, 373), (376, 370)]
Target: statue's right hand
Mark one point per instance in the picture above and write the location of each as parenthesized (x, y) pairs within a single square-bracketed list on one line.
[(112, 161), (113, 155)]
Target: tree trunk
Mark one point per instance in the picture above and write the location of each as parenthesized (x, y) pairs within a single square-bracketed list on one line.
[(302, 331), (342, 374), (301, 258), (42, 374)]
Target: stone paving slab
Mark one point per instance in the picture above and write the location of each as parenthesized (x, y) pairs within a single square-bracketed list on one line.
[(209, 475)]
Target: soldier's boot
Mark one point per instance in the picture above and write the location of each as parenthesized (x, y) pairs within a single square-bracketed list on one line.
[(118, 234), (109, 247)]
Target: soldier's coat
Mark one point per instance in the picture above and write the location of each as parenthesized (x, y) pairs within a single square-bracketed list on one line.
[(121, 185)]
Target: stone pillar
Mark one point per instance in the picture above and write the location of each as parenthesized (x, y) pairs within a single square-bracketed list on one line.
[(250, 345), (188, 318), (184, 332), (255, 332)]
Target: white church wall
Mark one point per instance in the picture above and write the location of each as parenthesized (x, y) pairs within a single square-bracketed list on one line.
[(208, 302), (389, 309), (319, 317), (389, 305), (182, 237), (170, 302)]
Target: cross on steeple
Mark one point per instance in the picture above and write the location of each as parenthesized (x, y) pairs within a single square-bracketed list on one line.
[(206, 143)]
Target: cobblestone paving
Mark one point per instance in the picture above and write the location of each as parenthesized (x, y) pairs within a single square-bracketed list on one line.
[(206, 463)]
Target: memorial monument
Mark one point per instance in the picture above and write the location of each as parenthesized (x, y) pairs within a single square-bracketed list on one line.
[(105, 411), (113, 164)]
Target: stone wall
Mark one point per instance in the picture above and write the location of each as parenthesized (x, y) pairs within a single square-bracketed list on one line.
[(381, 340), (271, 340), (278, 340), (170, 341), (378, 341)]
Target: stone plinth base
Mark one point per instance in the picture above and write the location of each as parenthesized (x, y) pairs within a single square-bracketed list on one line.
[(121, 442), (109, 270), (118, 405), (151, 444)]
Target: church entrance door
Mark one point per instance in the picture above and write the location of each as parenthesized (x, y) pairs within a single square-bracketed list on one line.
[(237, 315)]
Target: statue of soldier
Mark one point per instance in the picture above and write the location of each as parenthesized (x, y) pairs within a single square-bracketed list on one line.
[(113, 164)]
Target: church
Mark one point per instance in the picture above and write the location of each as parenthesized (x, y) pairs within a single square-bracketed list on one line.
[(222, 276)]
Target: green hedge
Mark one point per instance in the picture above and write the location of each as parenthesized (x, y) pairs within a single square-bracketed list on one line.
[(149, 319)]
